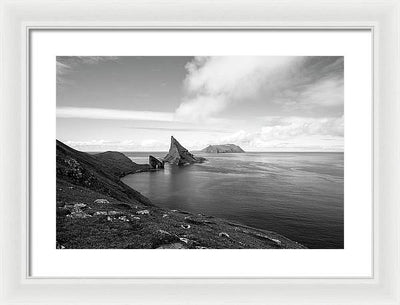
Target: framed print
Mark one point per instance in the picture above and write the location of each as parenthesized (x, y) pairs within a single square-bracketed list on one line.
[(236, 154), (198, 175)]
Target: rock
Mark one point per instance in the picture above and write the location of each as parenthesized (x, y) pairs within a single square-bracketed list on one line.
[(224, 148), (136, 218), (76, 211), (185, 226), (79, 205), (100, 213), (62, 211), (113, 213), (123, 218), (164, 232), (165, 215), (101, 201), (185, 240), (78, 215), (268, 238), (223, 234), (155, 163), (172, 246), (278, 242), (143, 212), (179, 155), (59, 246)]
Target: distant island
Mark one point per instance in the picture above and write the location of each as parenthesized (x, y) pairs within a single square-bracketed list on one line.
[(224, 148)]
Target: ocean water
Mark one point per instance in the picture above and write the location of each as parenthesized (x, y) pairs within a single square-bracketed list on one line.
[(298, 195)]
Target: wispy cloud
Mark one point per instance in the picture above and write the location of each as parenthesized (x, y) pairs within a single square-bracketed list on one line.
[(119, 114), (180, 129), (127, 145), (113, 114), (68, 64), (72, 61)]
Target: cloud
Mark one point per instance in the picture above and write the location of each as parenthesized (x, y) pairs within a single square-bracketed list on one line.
[(126, 145), (201, 107), (289, 127), (118, 114), (113, 114), (322, 93), (291, 132), (102, 145), (181, 129), (212, 84), (73, 61), (154, 144), (235, 76)]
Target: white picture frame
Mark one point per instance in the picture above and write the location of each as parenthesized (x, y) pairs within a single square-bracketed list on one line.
[(18, 18)]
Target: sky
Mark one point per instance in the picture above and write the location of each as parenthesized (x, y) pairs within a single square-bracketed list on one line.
[(262, 103)]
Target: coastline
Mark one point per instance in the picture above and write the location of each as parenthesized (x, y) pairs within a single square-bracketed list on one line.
[(95, 209)]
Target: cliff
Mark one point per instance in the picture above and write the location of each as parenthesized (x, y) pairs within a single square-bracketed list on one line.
[(179, 155), (99, 172), (224, 148)]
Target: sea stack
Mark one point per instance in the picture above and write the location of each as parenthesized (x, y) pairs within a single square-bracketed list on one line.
[(155, 163), (179, 155), (224, 148)]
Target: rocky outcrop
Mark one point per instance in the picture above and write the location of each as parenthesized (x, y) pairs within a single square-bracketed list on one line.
[(155, 163), (224, 148), (179, 155)]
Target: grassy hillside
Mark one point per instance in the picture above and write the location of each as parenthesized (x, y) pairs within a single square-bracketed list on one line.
[(100, 173)]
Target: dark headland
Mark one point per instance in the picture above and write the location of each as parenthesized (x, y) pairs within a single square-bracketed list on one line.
[(96, 210)]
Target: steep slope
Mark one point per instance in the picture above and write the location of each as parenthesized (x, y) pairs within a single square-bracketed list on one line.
[(99, 173), (224, 148), (179, 155)]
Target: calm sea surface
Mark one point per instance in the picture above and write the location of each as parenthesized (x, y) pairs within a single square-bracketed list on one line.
[(298, 195)]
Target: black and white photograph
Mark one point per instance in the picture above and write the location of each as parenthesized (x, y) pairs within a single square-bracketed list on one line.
[(199, 152)]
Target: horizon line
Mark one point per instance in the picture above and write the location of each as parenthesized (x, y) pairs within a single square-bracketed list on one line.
[(247, 151)]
